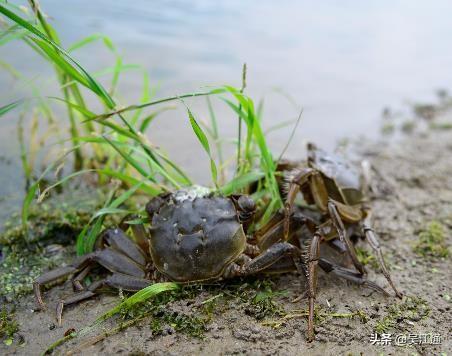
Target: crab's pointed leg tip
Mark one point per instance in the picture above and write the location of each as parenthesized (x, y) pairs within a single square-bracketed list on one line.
[(59, 313)]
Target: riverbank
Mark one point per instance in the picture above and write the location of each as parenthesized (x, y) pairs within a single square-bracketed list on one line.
[(413, 188)]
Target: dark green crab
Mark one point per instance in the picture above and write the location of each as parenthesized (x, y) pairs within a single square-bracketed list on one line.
[(194, 237)]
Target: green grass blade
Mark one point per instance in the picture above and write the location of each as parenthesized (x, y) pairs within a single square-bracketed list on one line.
[(184, 178), (205, 143), (9, 107), (62, 181), (137, 166), (160, 101), (127, 194), (127, 157), (93, 38), (34, 188), (12, 33), (88, 80), (292, 134), (241, 182), (81, 109), (110, 210), (88, 237), (80, 241), (145, 96), (58, 60), (148, 188), (216, 137), (140, 297), (148, 119)]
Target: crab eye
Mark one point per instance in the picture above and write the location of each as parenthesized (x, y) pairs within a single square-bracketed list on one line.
[(154, 206), (245, 203)]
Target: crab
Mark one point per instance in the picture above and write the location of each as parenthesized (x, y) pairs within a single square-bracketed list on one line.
[(194, 236), (337, 191)]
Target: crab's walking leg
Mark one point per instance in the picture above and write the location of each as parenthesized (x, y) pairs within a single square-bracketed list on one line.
[(244, 265), (77, 281), (116, 280), (372, 238), (349, 275), (313, 259), (78, 297), (299, 180), (117, 239), (269, 257), (273, 231), (342, 232), (108, 258), (57, 274)]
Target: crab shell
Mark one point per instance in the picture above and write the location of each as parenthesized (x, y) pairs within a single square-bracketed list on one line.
[(195, 239), (343, 182)]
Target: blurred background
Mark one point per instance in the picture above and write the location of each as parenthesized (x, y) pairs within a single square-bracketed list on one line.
[(341, 61)]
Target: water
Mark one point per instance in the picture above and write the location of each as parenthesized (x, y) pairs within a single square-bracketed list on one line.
[(342, 61)]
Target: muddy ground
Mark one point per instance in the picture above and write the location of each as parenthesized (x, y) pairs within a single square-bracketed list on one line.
[(417, 190)]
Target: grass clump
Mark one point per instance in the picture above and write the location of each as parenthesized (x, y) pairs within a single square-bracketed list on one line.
[(366, 258), (411, 309), (8, 326), (432, 241)]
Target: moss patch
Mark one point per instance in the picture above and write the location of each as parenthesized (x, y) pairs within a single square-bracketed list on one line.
[(8, 326), (55, 220), (255, 296), (367, 259), (20, 268), (191, 325), (432, 241), (411, 309), (51, 225)]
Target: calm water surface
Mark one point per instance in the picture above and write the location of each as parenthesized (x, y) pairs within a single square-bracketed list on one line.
[(342, 61)]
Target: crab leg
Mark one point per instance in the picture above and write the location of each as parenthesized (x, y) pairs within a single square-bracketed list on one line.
[(349, 275), (272, 232), (112, 260), (299, 180), (372, 238), (313, 259), (116, 280), (269, 257), (71, 300), (77, 281), (266, 259), (117, 239), (342, 233), (57, 274)]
